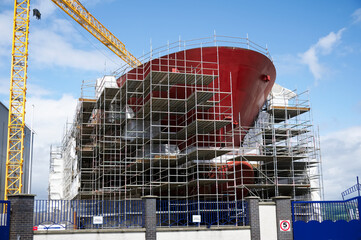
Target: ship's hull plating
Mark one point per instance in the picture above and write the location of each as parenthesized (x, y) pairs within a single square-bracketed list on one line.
[(246, 74)]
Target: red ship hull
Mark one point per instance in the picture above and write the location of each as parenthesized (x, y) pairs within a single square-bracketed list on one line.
[(246, 75)]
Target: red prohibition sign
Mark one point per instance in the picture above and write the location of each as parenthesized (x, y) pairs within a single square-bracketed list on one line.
[(285, 225)]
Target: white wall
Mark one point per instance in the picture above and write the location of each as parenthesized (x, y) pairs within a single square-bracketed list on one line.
[(244, 234), (204, 234), (267, 219), (91, 236)]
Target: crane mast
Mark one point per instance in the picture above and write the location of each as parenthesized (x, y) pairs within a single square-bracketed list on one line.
[(17, 99), (19, 63)]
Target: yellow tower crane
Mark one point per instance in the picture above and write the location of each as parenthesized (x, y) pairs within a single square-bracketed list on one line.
[(19, 63), (17, 99)]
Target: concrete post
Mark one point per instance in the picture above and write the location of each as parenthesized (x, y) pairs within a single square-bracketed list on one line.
[(21, 216), (150, 217), (253, 217), (283, 213)]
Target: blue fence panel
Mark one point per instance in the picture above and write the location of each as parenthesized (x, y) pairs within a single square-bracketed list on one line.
[(326, 210), (81, 214), (327, 230), (212, 213), (4, 220), (327, 220)]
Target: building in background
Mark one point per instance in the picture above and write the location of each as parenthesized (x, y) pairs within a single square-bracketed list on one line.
[(197, 121), (4, 115), (56, 189)]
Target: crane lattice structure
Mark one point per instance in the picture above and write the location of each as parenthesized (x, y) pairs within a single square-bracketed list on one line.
[(19, 63), (16, 122)]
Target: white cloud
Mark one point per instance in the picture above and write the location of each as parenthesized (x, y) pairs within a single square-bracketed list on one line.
[(49, 120), (327, 43), (324, 46), (64, 27), (49, 49), (310, 58), (356, 15), (36, 91), (341, 157), (56, 43)]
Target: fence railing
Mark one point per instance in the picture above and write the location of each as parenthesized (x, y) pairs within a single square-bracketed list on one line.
[(206, 213), (89, 214), (326, 210), (355, 188)]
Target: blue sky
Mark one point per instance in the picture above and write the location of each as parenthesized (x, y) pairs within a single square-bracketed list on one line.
[(316, 46)]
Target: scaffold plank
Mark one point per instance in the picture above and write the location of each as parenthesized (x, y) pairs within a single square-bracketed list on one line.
[(267, 158), (202, 126), (202, 154), (280, 134), (281, 113)]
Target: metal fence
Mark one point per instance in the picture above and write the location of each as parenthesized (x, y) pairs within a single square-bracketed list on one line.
[(326, 210), (87, 214), (352, 190), (207, 213)]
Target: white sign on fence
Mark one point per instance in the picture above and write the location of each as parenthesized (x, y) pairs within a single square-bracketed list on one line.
[(97, 219), (196, 218)]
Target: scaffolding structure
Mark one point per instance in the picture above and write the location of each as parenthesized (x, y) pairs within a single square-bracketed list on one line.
[(284, 149), (173, 133)]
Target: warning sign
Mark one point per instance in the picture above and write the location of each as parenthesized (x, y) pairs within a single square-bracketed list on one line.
[(285, 225)]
